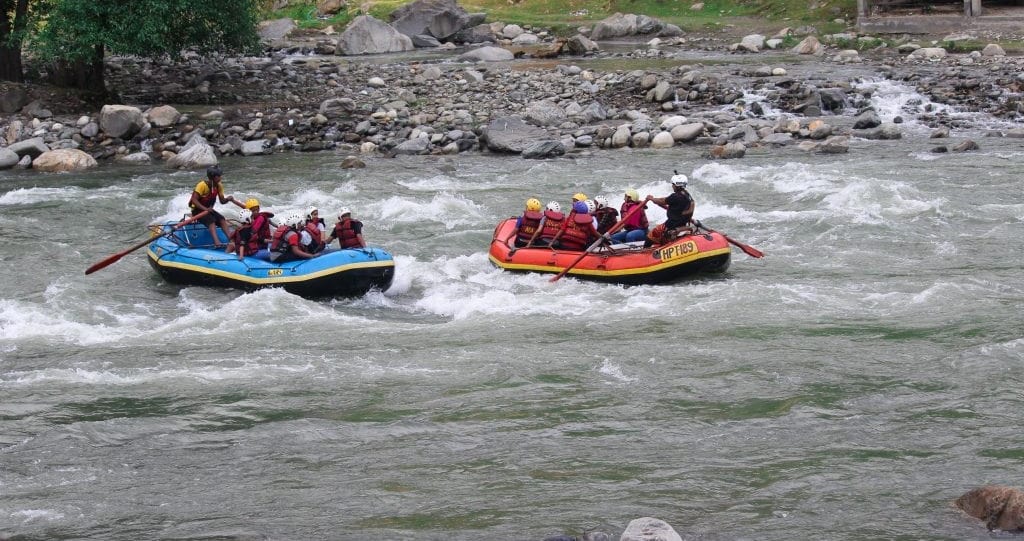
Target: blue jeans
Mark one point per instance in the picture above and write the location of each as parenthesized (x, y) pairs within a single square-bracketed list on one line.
[(629, 236)]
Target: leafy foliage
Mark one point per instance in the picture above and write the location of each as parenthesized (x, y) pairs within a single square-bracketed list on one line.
[(74, 29)]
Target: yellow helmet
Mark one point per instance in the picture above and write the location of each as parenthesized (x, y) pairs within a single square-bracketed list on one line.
[(579, 197), (632, 194), (252, 203), (533, 204)]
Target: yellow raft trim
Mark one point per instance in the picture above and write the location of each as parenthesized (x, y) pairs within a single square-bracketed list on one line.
[(275, 280), (622, 272)]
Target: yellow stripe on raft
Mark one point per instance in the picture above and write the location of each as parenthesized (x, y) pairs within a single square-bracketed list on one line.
[(275, 280), (622, 272)]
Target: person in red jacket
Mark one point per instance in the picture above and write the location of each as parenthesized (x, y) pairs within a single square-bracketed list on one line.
[(348, 231), (529, 223), (242, 238), (578, 231), (261, 225), (285, 244)]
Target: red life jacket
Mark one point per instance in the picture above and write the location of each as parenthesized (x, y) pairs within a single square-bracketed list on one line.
[(209, 199), (316, 242), (578, 232), (261, 227), (345, 234), (279, 242), (528, 226), (636, 221), (552, 224), (245, 236)]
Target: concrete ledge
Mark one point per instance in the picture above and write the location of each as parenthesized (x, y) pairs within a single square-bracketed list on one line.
[(937, 24)]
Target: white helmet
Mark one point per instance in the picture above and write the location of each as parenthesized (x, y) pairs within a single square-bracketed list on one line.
[(679, 181), (343, 212), (293, 220), (601, 201), (591, 207), (245, 216), (554, 206), (309, 213)]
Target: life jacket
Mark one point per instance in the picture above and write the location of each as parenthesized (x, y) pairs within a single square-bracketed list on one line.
[(261, 226), (606, 218), (279, 242), (244, 236), (209, 199), (637, 220), (316, 242), (345, 234), (577, 234), (552, 224), (657, 235), (529, 225)]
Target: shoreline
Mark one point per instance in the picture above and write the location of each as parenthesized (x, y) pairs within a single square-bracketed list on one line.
[(655, 92)]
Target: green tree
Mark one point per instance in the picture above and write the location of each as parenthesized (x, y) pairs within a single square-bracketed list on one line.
[(16, 18), (78, 33)]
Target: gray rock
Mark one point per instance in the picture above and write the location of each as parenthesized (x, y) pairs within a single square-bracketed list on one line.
[(276, 29), (368, 35), (419, 145), (543, 149), (30, 147), (487, 54), (544, 113), (649, 529), (13, 100), (438, 18), (121, 121), (255, 147), (965, 146), (90, 130), (511, 134), (867, 119), (163, 116), (8, 158), (480, 33)]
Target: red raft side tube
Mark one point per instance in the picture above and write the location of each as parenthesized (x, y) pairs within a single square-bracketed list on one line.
[(686, 256)]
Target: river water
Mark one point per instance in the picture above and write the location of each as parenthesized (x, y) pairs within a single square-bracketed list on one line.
[(847, 386)]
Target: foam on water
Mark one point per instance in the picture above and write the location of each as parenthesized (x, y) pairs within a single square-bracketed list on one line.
[(452, 210), (893, 99)]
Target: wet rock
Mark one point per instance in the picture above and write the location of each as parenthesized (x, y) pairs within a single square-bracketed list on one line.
[(63, 160), (544, 149), (649, 529), (965, 146), (352, 162), (1000, 507)]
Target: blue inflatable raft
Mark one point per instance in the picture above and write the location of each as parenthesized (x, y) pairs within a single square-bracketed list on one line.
[(186, 256)]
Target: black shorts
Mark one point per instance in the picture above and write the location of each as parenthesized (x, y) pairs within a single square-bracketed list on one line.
[(212, 217)]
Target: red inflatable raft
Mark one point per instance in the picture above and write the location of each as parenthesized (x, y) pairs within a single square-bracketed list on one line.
[(699, 253)]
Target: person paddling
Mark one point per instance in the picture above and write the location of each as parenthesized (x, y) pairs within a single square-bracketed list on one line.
[(205, 195), (679, 206)]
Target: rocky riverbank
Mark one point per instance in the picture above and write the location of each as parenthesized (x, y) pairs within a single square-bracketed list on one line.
[(536, 98)]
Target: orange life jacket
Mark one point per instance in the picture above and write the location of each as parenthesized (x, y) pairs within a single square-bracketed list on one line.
[(552, 224), (578, 232), (345, 234), (528, 226), (279, 242)]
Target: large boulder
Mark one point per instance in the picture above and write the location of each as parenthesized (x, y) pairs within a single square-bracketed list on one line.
[(121, 121), (196, 154), (8, 158), (616, 26), (13, 100), (368, 35), (275, 29), (438, 18), (30, 147), (63, 160), (1002, 508), (545, 113), (511, 134), (163, 116), (649, 529)]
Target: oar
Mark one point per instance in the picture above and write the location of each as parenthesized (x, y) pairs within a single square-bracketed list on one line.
[(112, 259), (749, 250), (598, 242)]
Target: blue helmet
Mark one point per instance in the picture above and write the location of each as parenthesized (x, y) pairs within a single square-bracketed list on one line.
[(580, 207)]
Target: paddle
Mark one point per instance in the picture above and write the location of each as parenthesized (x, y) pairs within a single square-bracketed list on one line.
[(112, 259), (749, 250), (598, 242)]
